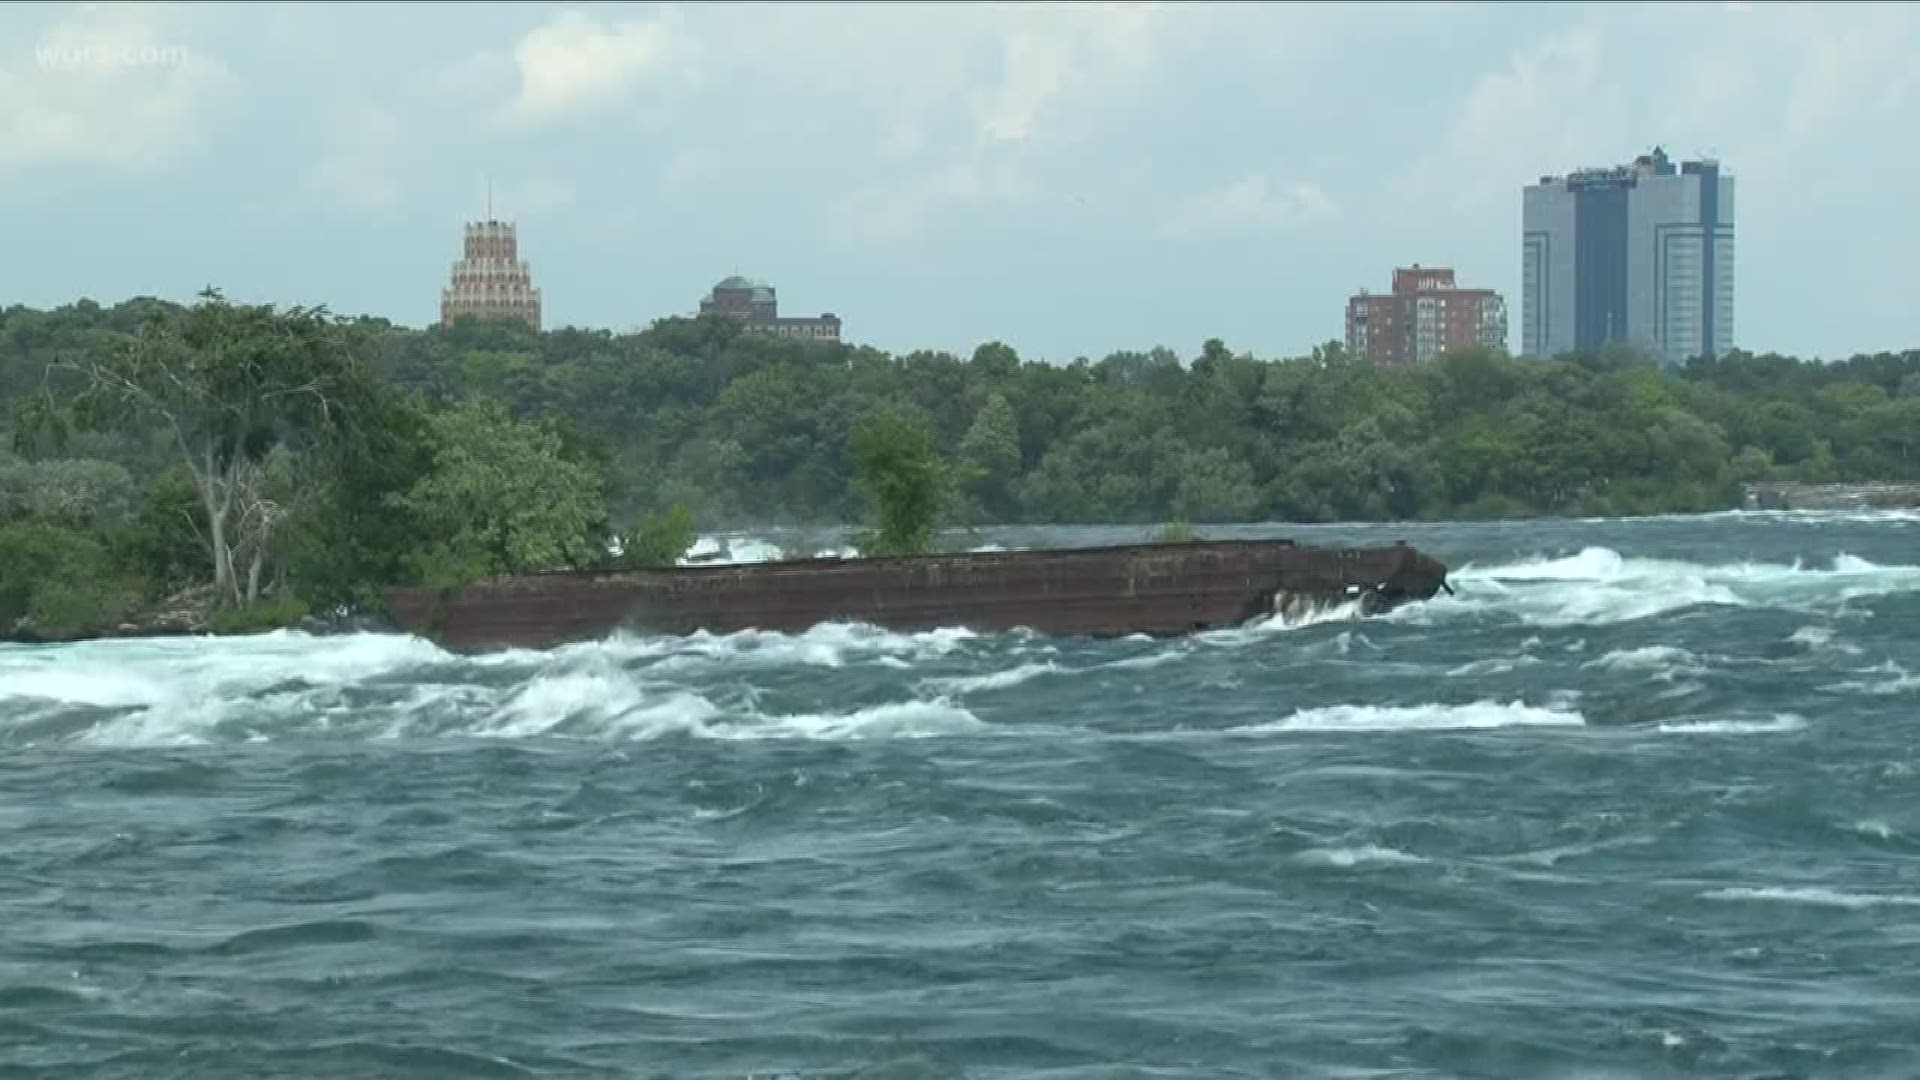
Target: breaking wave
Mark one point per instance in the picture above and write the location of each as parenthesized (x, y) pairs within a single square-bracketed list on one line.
[(1479, 715), (1894, 680), (1816, 896), (847, 681), (1649, 658), (291, 685), (1781, 723), (1364, 855), (739, 548), (1600, 586), (995, 680)]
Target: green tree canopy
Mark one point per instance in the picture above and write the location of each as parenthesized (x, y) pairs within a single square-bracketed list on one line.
[(501, 498), (894, 463), (227, 385)]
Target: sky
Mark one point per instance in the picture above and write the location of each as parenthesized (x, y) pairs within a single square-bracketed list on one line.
[(1070, 178)]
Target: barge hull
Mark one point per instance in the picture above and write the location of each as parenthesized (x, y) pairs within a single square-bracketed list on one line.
[(1155, 589)]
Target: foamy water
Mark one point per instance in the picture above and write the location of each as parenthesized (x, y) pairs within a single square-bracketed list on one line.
[(1637, 801)]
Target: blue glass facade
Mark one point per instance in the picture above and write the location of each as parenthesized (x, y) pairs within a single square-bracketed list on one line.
[(1709, 173), (1600, 262)]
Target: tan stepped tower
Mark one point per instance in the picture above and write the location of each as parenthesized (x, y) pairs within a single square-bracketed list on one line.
[(489, 280)]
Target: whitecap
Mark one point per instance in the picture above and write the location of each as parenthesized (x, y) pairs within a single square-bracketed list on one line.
[(993, 680), (1148, 660), (1432, 717), (1898, 680), (1817, 896), (549, 701), (1665, 659), (1365, 854), (1315, 615), (1493, 665), (181, 691), (829, 645), (1781, 723), (1599, 586), (895, 720)]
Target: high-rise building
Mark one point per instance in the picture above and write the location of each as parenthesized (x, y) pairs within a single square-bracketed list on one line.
[(490, 281), (1425, 315), (753, 303), (1640, 254)]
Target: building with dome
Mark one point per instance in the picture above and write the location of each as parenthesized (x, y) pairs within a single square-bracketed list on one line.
[(489, 280), (753, 303)]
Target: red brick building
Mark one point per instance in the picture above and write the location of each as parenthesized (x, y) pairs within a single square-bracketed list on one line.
[(490, 281), (753, 303), (1425, 315)]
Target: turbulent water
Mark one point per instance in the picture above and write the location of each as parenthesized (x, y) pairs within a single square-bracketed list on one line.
[(1639, 801)]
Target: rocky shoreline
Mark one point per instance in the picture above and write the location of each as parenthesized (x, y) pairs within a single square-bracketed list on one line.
[(1781, 495), (190, 614)]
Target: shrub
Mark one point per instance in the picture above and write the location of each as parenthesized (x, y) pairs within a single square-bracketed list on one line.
[(60, 582), (895, 464), (276, 613), (660, 539), (1174, 532)]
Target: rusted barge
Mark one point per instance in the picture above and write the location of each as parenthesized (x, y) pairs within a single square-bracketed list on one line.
[(1156, 589)]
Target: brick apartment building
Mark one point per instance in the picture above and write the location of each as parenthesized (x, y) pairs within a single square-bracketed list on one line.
[(1427, 314)]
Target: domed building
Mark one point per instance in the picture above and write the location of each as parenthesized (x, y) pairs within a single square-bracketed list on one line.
[(753, 303)]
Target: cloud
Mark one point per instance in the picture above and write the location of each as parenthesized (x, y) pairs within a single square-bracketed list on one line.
[(358, 171), (1544, 110), (1848, 71), (1036, 68), (1048, 49), (901, 209), (1252, 203), (104, 86), (1511, 113), (1060, 65), (576, 62)]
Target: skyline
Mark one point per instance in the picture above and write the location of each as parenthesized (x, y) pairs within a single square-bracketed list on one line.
[(1071, 179)]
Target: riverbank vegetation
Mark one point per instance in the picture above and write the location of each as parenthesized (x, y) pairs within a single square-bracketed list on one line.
[(234, 456), (229, 467)]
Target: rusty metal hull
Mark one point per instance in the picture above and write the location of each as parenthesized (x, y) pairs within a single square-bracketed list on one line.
[(1154, 589)]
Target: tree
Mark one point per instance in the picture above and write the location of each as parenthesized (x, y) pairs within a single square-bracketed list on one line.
[(749, 429), (996, 360), (229, 384), (657, 540), (990, 455), (67, 492), (56, 582), (501, 499), (1212, 485), (895, 465), (347, 538)]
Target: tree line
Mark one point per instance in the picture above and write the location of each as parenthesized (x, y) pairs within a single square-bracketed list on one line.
[(290, 457)]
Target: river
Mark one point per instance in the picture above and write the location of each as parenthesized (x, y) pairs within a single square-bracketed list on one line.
[(1638, 801)]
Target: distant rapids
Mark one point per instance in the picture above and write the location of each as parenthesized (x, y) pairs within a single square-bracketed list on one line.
[(1637, 801)]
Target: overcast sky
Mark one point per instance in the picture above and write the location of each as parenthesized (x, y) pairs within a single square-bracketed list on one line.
[(1070, 178)]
